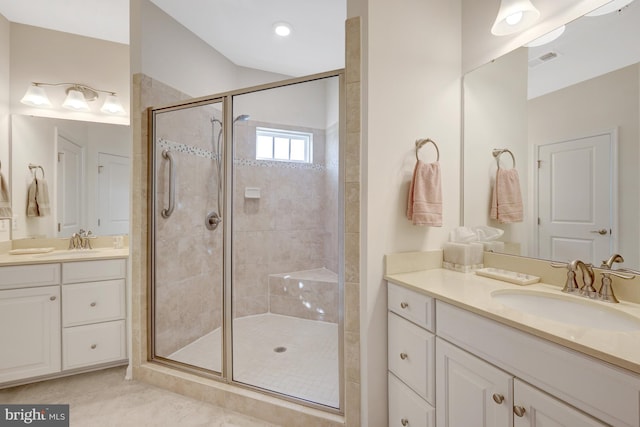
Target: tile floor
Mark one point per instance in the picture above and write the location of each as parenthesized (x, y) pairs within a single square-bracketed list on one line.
[(105, 399), (306, 369)]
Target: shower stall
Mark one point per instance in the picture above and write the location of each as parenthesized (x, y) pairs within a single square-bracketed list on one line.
[(246, 271)]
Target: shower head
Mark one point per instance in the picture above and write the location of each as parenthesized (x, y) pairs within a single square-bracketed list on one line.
[(241, 118)]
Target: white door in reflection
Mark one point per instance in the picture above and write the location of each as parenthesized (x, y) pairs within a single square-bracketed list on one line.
[(113, 194), (575, 205)]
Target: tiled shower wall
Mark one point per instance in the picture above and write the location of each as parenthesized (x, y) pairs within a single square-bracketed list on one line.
[(292, 226), (188, 291)]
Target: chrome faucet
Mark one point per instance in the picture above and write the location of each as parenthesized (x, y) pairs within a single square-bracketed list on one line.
[(81, 240), (571, 285), (606, 289)]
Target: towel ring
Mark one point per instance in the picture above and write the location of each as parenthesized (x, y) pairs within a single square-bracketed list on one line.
[(497, 152), (35, 174), (421, 142)]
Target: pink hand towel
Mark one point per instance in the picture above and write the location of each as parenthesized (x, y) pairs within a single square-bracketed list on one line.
[(424, 205), (506, 200)]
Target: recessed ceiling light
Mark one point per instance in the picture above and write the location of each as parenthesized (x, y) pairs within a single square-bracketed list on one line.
[(282, 29)]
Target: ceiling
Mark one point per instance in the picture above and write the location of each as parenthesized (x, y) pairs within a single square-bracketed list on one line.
[(242, 30)]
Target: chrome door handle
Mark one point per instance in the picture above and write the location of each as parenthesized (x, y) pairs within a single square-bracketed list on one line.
[(166, 213), (601, 232)]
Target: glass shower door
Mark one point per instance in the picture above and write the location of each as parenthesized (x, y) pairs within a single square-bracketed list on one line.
[(286, 286), (187, 254)]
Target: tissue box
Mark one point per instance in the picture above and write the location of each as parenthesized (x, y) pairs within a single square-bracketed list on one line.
[(463, 256)]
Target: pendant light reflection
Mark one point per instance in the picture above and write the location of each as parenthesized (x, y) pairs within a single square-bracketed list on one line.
[(514, 16), (547, 38), (77, 99)]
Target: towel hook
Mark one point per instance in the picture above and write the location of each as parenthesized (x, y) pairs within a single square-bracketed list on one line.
[(35, 174), (421, 142), (497, 152)]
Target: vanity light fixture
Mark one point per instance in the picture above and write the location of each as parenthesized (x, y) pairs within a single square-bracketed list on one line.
[(78, 97), (282, 29), (547, 38), (612, 6), (514, 16)]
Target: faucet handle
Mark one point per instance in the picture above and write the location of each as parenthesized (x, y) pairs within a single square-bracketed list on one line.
[(606, 289), (571, 284)]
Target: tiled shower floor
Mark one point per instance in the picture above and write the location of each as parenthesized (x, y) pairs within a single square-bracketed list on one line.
[(307, 369)]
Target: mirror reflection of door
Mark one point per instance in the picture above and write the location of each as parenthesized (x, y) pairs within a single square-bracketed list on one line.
[(575, 206), (69, 187), (113, 194)]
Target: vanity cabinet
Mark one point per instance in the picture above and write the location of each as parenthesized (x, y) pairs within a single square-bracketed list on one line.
[(490, 374), (29, 332), (411, 356), (93, 313), (59, 317), (471, 391)]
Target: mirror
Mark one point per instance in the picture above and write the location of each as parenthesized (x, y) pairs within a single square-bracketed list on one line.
[(85, 169), (569, 112)]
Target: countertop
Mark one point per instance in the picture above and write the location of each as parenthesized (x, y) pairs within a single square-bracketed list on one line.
[(473, 293), (58, 255)]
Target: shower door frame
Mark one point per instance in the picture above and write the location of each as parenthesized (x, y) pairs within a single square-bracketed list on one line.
[(226, 374)]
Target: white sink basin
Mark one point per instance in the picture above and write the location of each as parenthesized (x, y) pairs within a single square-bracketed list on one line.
[(71, 253), (570, 309)]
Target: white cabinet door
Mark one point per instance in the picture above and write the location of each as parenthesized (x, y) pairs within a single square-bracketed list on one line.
[(542, 410), (29, 332), (470, 391)]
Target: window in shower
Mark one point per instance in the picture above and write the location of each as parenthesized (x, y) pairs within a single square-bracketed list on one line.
[(284, 145)]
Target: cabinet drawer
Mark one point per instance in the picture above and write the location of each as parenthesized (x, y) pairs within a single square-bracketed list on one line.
[(411, 356), (93, 344), (28, 276), (93, 302), (407, 408), (411, 305), (89, 271)]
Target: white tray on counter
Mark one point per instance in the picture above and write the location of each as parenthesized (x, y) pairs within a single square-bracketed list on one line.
[(508, 276)]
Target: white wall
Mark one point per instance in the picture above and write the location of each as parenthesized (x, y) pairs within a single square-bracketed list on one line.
[(495, 116), (412, 90), (172, 54), (41, 55), (5, 225)]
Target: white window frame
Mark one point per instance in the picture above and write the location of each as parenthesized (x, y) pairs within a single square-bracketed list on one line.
[(307, 137)]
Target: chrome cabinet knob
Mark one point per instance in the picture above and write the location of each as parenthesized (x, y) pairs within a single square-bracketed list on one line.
[(404, 421), (93, 304), (93, 346), (498, 398), (404, 356), (52, 298), (519, 411), (404, 304)]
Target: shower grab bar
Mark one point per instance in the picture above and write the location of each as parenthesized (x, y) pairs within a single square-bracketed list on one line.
[(166, 213)]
